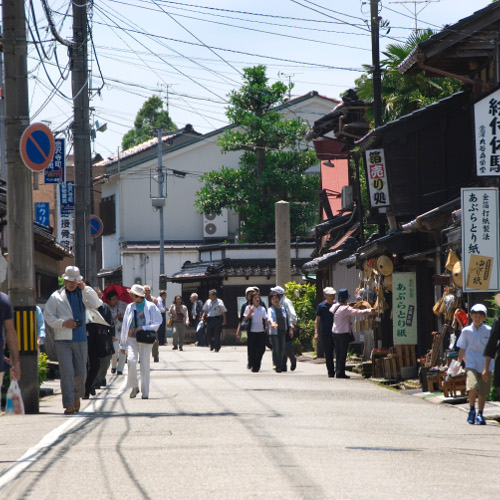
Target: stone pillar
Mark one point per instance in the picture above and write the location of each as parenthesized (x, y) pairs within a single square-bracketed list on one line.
[(282, 235)]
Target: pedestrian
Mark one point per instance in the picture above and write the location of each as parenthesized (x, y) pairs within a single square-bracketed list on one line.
[(196, 313), (105, 346), (139, 315), (256, 316), (324, 324), (40, 327), (341, 329), (249, 293), (117, 312), (179, 315), (214, 314), (8, 335), (279, 326), (471, 344), (162, 307), (155, 352), (292, 319), (492, 349), (66, 312)]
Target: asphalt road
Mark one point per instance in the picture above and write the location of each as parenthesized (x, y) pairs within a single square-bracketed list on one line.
[(213, 430)]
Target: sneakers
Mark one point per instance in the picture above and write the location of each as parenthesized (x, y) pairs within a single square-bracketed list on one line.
[(480, 419), (113, 370), (119, 373), (134, 392), (174, 348), (472, 416), (156, 359)]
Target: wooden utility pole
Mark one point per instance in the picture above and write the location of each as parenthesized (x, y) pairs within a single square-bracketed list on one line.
[(377, 74), (81, 142), (19, 198)]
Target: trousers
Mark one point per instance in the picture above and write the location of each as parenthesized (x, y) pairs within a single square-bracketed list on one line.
[(135, 351), (72, 358), (118, 358), (214, 330), (279, 352), (179, 333), (256, 349)]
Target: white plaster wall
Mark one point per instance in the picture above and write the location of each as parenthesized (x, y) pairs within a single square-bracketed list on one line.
[(342, 277)]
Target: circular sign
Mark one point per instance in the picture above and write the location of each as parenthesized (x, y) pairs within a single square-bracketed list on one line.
[(95, 226), (37, 147)]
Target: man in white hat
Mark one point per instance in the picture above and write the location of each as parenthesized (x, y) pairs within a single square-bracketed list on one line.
[(471, 344), (66, 312), (323, 324)]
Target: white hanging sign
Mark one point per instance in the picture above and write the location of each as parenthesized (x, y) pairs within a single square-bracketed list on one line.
[(487, 134), (377, 178)]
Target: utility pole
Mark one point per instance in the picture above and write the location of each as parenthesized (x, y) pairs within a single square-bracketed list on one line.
[(377, 74), (81, 142), (161, 204), (19, 198), (415, 11)]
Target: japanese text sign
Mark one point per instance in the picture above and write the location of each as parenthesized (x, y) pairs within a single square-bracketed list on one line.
[(67, 197), (404, 308), (55, 172), (487, 133), (64, 224), (42, 213), (480, 239), (377, 178)]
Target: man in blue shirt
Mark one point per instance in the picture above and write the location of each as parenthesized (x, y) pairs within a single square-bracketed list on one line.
[(66, 313), (471, 344), (324, 323)]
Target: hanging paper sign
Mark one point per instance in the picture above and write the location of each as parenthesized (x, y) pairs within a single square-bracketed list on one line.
[(404, 308), (480, 269), (377, 178), (55, 172)]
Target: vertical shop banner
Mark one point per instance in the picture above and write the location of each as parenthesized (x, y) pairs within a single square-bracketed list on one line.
[(377, 178), (487, 135), (480, 239), (42, 213), (404, 308), (55, 172), (65, 216)]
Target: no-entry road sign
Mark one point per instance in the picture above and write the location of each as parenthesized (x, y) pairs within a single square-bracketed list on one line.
[(37, 147), (95, 226)]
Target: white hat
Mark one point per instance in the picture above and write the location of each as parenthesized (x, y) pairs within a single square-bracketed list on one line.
[(479, 308), (71, 273), (279, 290), (329, 290), (137, 290), (252, 289)]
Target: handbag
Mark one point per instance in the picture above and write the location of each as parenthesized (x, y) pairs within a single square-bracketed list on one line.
[(144, 336), (169, 323), (14, 403)]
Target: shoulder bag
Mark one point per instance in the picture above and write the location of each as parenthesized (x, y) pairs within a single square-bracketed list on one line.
[(144, 336)]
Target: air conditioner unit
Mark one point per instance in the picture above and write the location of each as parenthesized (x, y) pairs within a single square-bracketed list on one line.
[(215, 226), (347, 198)]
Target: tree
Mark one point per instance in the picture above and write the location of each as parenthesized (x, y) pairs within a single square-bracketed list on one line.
[(148, 120), (271, 168), (403, 94)]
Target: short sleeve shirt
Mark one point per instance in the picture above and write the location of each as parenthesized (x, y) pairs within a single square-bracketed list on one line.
[(326, 316), (473, 340)]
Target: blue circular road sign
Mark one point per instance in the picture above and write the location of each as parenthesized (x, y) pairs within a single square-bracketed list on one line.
[(95, 226), (37, 147)]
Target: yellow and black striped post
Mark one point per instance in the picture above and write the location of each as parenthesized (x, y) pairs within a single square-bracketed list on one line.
[(25, 324)]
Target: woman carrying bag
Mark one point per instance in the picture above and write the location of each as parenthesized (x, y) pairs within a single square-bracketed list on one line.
[(180, 319), (140, 323), (257, 316)]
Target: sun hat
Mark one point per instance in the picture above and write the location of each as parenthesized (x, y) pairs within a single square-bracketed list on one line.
[(497, 299), (252, 289), (385, 265), (343, 295), (137, 290), (479, 308), (278, 289), (72, 273), (329, 290)]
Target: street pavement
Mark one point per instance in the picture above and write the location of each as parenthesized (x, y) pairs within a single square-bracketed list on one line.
[(213, 430)]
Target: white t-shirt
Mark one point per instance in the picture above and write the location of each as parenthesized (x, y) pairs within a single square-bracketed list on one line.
[(258, 317)]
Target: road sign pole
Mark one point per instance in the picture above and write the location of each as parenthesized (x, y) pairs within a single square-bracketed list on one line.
[(19, 186)]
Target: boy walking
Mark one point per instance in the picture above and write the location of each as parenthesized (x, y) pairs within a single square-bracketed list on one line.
[(471, 343)]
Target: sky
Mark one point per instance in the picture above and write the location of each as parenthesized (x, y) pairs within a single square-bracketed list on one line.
[(191, 53)]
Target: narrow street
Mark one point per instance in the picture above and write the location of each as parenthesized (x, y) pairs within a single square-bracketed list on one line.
[(211, 429)]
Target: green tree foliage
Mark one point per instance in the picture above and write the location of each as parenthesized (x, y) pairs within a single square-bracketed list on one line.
[(303, 297), (403, 94), (271, 168), (148, 120)]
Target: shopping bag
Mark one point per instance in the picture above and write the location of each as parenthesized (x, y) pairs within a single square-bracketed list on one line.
[(14, 403)]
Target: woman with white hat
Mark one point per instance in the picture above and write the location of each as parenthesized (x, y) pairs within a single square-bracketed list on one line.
[(139, 315)]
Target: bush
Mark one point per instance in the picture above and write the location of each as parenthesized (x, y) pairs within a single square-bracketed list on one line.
[(43, 368), (303, 297)]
